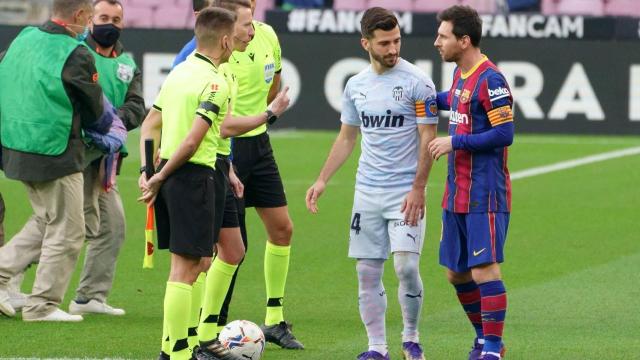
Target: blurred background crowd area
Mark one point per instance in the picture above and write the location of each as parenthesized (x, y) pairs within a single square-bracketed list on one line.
[(168, 14)]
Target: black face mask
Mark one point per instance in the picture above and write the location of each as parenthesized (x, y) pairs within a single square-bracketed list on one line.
[(106, 34)]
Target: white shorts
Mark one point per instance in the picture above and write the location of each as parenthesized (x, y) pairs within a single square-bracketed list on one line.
[(378, 226)]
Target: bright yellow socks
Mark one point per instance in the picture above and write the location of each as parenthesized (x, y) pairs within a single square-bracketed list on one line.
[(166, 345), (177, 308), (196, 304), (276, 268), (215, 290)]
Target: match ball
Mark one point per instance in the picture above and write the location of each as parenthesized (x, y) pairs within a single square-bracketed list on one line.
[(244, 339)]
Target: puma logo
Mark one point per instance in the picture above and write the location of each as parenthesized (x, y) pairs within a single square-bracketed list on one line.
[(412, 237), (415, 296)]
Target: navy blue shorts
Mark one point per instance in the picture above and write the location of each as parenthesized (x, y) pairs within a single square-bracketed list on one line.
[(473, 239)]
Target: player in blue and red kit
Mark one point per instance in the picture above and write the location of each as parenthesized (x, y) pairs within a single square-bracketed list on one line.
[(477, 199)]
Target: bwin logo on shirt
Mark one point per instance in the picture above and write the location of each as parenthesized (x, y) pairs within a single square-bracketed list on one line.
[(382, 120)]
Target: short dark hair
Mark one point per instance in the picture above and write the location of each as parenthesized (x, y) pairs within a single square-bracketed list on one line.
[(112, 2), (377, 18), (66, 8), (212, 23), (465, 20), (232, 5), (198, 5)]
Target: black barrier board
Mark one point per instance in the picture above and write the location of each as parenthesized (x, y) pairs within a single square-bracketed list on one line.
[(559, 86)]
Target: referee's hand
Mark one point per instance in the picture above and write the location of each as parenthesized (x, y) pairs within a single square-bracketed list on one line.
[(236, 185), (281, 103), (313, 194), (150, 188)]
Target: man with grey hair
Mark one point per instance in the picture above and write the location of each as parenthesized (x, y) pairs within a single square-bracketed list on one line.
[(51, 97)]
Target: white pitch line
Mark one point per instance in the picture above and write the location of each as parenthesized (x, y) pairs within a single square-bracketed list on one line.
[(563, 165), (522, 174)]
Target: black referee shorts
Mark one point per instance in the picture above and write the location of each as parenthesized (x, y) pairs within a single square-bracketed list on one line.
[(258, 171), (185, 209), (227, 216)]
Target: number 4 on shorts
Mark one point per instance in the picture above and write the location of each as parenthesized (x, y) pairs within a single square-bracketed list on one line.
[(355, 223)]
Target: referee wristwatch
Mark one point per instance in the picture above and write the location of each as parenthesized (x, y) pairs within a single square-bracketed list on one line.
[(143, 169), (271, 117)]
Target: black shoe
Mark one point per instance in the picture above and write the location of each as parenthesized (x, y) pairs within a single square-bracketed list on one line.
[(163, 356), (214, 351), (280, 334)]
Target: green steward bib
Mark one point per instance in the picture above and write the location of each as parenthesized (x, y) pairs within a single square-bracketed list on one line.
[(36, 113)]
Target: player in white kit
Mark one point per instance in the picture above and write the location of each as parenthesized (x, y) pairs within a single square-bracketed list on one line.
[(393, 104)]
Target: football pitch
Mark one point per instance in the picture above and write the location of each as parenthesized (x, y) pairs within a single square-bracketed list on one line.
[(572, 267)]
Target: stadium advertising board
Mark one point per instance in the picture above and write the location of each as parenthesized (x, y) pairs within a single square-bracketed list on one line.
[(515, 25), (558, 85), (563, 86)]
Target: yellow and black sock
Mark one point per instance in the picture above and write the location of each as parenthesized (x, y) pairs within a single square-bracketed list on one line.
[(166, 345), (215, 290), (177, 307), (196, 306), (276, 268)]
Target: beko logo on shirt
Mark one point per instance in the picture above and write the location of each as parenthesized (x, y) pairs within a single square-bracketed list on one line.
[(382, 120), (499, 92), (457, 118)]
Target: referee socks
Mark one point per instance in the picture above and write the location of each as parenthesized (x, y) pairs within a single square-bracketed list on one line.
[(276, 269), (177, 307), (215, 290)]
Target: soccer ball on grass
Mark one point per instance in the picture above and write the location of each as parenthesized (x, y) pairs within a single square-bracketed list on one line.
[(243, 338)]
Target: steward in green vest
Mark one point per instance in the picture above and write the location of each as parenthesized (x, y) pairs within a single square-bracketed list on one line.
[(121, 81), (49, 95), (119, 76), (49, 91)]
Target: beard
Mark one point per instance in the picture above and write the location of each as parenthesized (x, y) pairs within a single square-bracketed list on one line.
[(452, 56), (388, 61)]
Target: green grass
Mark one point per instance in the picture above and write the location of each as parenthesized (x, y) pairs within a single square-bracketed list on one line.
[(572, 270)]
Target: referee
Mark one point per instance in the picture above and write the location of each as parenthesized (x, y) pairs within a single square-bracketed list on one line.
[(258, 72), (186, 115)]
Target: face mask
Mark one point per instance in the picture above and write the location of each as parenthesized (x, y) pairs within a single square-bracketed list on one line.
[(80, 36), (83, 35), (106, 34)]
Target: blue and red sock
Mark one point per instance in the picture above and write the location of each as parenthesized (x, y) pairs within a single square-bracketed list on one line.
[(469, 296), (494, 309)]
